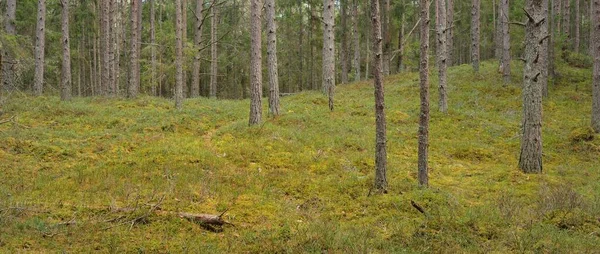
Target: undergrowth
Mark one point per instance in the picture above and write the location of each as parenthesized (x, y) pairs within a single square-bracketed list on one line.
[(74, 174)]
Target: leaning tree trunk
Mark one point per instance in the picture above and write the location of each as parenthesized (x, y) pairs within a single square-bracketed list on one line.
[(255, 63), (596, 75), (40, 43), (424, 112), (195, 89), (530, 160), (380, 135), (504, 24), (178, 55), (329, 49), (272, 59), (65, 90), (133, 88), (8, 65), (356, 39), (475, 34), (442, 55), (213, 50)]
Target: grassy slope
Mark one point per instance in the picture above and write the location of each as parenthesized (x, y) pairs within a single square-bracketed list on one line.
[(300, 182)]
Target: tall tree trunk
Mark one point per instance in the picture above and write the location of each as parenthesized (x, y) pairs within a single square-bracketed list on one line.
[(567, 19), (504, 19), (558, 14), (8, 65), (356, 44), (272, 59), (65, 90), (344, 40), (153, 45), (329, 49), (424, 95), (577, 22), (133, 88), (596, 74), (104, 45), (197, 41), (551, 40), (442, 55), (530, 160), (213, 50), (112, 47), (498, 32), (400, 46), (40, 43), (385, 20), (450, 32), (178, 55), (380, 132), (475, 34), (255, 63), (184, 37)]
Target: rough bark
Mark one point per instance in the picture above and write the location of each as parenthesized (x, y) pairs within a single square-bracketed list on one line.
[(344, 40), (380, 132), (329, 49), (475, 7), (424, 96), (65, 87), (40, 43), (195, 87), (356, 39), (178, 55), (134, 66), (8, 65), (387, 45), (577, 38), (530, 159), (442, 55), (450, 32), (567, 19), (153, 46), (596, 73), (272, 59), (213, 50), (504, 23), (255, 63), (551, 40)]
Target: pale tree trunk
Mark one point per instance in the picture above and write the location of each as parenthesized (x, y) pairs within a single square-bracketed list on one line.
[(65, 87), (184, 42), (450, 32), (530, 159), (105, 46), (498, 33), (40, 43), (112, 48), (356, 39), (385, 21), (442, 55), (567, 19), (400, 46), (423, 151), (153, 45), (133, 88), (475, 7), (255, 63), (577, 22), (380, 132), (344, 40), (546, 44), (213, 51), (504, 19), (596, 75), (551, 40), (178, 55), (272, 58), (558, 16), (197, 41), (118, 21), (8, 65), (329, 49)]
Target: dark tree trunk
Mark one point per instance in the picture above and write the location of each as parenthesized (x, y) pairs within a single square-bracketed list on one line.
[(424, 112)]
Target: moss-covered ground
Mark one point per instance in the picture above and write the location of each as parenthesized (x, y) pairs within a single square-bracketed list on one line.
[(83, 175)]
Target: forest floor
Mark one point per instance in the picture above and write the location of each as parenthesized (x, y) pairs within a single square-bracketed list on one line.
[(87, 175)]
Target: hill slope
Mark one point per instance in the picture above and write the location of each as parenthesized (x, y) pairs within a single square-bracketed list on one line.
[(84, 175)]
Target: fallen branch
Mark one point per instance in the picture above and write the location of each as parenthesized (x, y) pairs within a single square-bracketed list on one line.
[(10, 120), (418, 207)]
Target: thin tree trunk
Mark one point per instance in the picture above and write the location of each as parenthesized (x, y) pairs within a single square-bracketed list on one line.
[(255, 63), (197, 41), (356, 39), (8, 65), (272, 58), (551, 40), (504, 19), (40, 43), (400, 46), (178, 55), (380, 132), (596, 75), (133, 88), (567, 19), (424, 96), (475, 34), (344, 41), (329, 49), (153, 45), (442, 55), (577, 23), (65, 91), (385, 20), (213, 50), (105, 44), (112, 48), (450, 33), (184, 37), (530, 160)]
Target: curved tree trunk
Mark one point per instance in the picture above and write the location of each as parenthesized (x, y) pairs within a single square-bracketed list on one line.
[(424, 95), (255, 63), (178, 55), (197, 41), (65, 90), (475, 35), (329, 49), (272, 58), (40, 43), (380, 132)]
